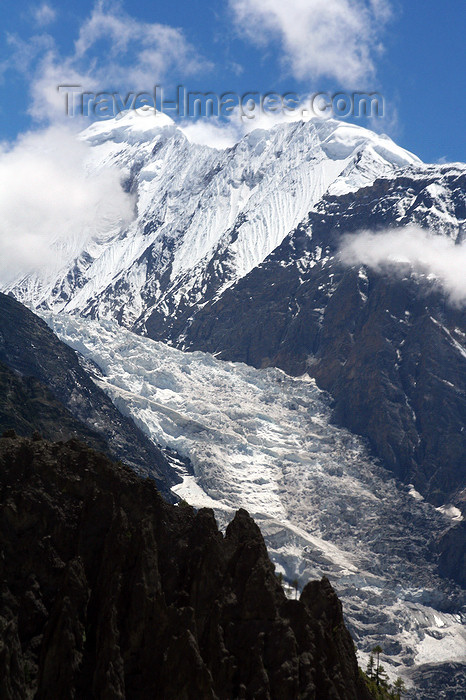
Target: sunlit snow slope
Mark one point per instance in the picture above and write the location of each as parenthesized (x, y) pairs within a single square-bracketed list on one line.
[(262, 440), (203, 217)]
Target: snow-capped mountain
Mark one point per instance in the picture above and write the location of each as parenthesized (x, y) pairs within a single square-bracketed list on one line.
[(262, 440), (204, 217), (235, 252)]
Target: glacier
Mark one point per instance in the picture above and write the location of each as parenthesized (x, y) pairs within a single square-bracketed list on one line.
[(262, 440)]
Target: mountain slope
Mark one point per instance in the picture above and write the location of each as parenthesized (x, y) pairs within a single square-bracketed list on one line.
[(204, 217), (47, 370), (27, 406), (110, 592), (233, 251), (389, 346)]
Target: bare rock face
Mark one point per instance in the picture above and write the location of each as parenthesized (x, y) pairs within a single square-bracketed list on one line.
[(45, 388), (389, 346), (452, 548), (109, 592)]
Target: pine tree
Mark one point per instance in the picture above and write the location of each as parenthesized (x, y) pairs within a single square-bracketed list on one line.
[(399, 688), (370, 667), (295, 584), (383, 677), (377, 650)]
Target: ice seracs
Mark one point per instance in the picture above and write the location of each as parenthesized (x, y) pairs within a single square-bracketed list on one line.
[(264, 441)]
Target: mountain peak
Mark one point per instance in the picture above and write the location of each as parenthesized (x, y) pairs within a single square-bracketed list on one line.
[(339, 139), (205, 217), (140, 124)]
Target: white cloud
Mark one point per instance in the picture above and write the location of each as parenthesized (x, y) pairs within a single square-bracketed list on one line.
[(47, 101), (25, 54), (212, 132), (319, 38), (50, 203), (224, 133), (113, 51), (44, 14), (140, 53), (426, 253)]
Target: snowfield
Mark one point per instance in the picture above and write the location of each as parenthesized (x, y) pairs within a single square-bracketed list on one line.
[(204, 217), (262, 440)]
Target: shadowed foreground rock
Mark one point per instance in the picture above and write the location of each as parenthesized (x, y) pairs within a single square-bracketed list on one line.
[(109, 592), (44, 387)]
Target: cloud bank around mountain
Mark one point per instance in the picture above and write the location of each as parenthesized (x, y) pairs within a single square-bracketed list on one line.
[(51, 202), (319, 38), (391, 251), (47, 192)]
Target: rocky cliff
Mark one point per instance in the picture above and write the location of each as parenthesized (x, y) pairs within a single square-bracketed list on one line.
[(44, 387), (28, 406), (110, 592)]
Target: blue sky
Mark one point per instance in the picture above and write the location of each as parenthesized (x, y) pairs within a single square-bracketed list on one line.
[(411, 52)]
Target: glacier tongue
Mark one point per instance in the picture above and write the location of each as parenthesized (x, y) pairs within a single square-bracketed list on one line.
[(263, 440), (199, 209)]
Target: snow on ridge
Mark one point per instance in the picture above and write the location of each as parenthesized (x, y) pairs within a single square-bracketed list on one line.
[(195, 204), (130, 125), (340, 139)]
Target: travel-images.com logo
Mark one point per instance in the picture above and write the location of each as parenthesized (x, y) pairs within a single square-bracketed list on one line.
[(249, 105)]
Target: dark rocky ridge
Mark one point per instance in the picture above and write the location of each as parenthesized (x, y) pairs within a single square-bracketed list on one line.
[(48, 390), (110, 592), (390, 348), (27, 406), (452, 563)]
